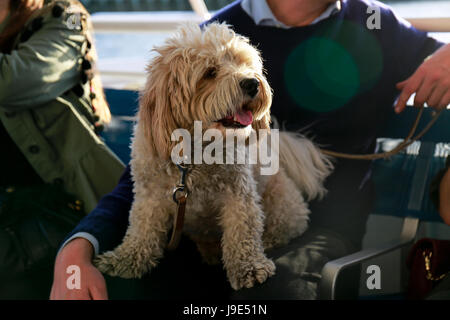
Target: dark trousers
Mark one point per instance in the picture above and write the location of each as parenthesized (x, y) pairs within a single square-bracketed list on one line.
[(181, 275), (34, 219)]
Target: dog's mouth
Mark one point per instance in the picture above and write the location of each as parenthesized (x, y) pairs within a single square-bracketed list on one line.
[(241, 119)]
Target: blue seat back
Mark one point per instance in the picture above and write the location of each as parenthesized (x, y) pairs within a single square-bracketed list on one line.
[(402, 183), (117, 135)]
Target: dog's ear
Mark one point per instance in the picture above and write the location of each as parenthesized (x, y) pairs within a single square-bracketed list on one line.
[(156, 114), (265, 103)]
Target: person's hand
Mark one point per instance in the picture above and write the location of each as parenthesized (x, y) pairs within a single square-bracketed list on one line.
[(430, 82), (93, 287), (34, 4)]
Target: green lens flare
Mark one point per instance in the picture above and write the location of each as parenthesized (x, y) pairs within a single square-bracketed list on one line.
[(326, 71)]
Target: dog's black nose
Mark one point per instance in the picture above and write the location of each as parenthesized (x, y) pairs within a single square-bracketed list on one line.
[(250, 86)]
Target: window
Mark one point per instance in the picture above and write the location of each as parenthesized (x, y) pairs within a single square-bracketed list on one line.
[(127, 30)]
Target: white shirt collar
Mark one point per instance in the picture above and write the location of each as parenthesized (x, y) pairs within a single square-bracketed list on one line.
[(261, 14)]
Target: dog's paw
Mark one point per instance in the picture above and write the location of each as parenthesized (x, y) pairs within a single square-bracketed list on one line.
[(249, 273), (125, 266)]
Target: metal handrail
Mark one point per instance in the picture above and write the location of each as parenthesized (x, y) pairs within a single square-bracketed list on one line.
[(169, 21), (142, 22), (332, 269), (200, 8), (159, 21)]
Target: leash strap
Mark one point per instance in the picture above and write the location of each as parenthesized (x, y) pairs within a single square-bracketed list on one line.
[(178, 220), (178, 224), (405, 143)]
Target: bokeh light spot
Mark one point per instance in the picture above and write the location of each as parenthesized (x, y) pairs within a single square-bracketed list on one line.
[(327, 70)]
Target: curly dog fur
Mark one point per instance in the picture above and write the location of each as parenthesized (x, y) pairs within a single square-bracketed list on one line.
[(233, 210)]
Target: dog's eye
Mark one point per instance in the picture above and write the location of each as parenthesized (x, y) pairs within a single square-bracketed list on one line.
[(210, 73)]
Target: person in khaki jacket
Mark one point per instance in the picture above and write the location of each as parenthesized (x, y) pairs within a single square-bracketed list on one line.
[(54, 167)]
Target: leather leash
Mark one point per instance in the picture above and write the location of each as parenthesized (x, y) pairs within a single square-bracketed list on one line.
[(178, 220), (405, 143)]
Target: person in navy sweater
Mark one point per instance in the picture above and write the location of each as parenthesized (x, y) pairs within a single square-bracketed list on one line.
[(336, 75)]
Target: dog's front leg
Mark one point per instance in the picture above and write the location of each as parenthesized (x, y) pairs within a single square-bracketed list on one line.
[(143, 243), (242, 249)]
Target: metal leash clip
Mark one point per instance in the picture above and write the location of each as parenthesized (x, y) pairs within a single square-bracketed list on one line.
[(178, 220), (181, 187)]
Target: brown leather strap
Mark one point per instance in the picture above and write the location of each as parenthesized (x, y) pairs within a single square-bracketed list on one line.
[(405, 143), (178, 222)]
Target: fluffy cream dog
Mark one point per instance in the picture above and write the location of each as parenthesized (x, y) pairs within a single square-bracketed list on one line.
[(214, 76)]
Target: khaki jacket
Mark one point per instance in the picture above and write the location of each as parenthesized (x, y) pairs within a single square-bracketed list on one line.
[(49, 122)]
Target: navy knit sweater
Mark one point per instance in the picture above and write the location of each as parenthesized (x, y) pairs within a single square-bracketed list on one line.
[(334, 81)]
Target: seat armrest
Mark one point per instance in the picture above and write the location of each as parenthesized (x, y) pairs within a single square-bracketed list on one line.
[(331, 270)]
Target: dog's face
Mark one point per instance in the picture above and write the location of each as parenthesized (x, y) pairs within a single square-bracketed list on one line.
[(211, 75)]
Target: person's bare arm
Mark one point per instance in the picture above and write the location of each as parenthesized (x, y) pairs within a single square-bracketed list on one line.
[(78, 252), (444, 198)]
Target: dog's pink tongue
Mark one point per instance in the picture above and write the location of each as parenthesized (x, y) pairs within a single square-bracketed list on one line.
[(244, 117)]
